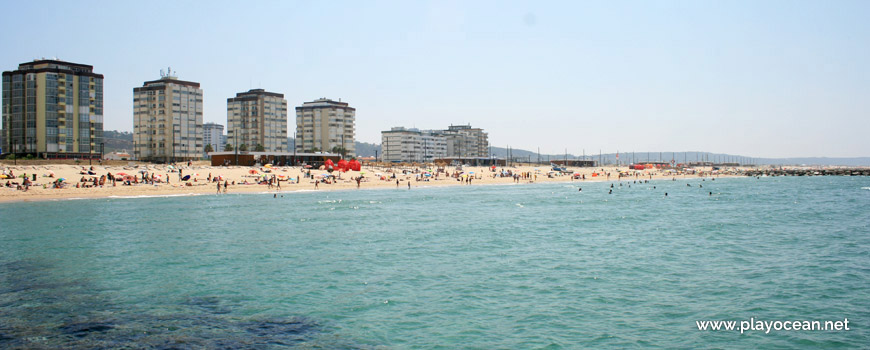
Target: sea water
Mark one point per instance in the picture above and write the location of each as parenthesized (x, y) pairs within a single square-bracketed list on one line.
[(528, 266)]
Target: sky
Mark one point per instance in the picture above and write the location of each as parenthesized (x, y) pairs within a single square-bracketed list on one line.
[(756, 78)]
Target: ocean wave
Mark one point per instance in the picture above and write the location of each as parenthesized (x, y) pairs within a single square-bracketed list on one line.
[(154, 196)]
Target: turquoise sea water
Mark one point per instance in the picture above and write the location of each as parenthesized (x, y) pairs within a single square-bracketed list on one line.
[(540, 266)]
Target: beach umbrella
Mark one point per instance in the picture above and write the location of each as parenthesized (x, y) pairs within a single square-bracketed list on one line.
[(121, 174), (252, 171), (268, 165), (61, 179), (427, 174), (307, 166), (471, 172)]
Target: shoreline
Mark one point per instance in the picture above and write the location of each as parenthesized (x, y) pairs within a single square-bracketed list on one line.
[(481, 177)]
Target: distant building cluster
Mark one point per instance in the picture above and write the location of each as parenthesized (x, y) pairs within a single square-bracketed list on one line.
[(409, 145), (54, 109)]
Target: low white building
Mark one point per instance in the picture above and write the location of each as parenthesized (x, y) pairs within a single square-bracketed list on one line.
[(412, 145), (123, 155)]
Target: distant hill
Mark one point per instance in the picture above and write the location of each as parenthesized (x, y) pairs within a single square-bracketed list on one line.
[(365, 149), (117, 141), (681, 157)]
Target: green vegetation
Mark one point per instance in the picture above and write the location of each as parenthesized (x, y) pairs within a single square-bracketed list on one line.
[(339, 150)]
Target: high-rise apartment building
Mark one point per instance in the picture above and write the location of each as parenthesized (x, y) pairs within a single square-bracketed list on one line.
[(325, 125), (467, 142), (257, 118), (413, 145), (53, 109), (167, 120), (212, 134)]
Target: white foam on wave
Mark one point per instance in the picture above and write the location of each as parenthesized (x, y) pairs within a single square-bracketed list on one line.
[(157, 195), (865, 188)]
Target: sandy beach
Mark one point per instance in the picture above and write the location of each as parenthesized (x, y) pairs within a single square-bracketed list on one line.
[(78, 181)]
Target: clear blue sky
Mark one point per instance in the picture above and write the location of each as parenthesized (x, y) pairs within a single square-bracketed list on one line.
[(757, 78)]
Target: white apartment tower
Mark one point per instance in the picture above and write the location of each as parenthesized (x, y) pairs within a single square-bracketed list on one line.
[(257, 118), (325, 125), (213, 135), (167, 120)]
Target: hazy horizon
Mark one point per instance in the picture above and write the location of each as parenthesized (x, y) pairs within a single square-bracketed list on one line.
[(763, 79)]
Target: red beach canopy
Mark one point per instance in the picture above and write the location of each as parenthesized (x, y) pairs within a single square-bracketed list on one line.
[(354, 165)]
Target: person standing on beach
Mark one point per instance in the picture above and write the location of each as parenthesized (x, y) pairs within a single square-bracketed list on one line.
[(409, 185), (218, 188), (225, 186), (397, 183)]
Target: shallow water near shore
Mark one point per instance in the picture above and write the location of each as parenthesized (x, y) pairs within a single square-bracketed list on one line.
[(513, 266)]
